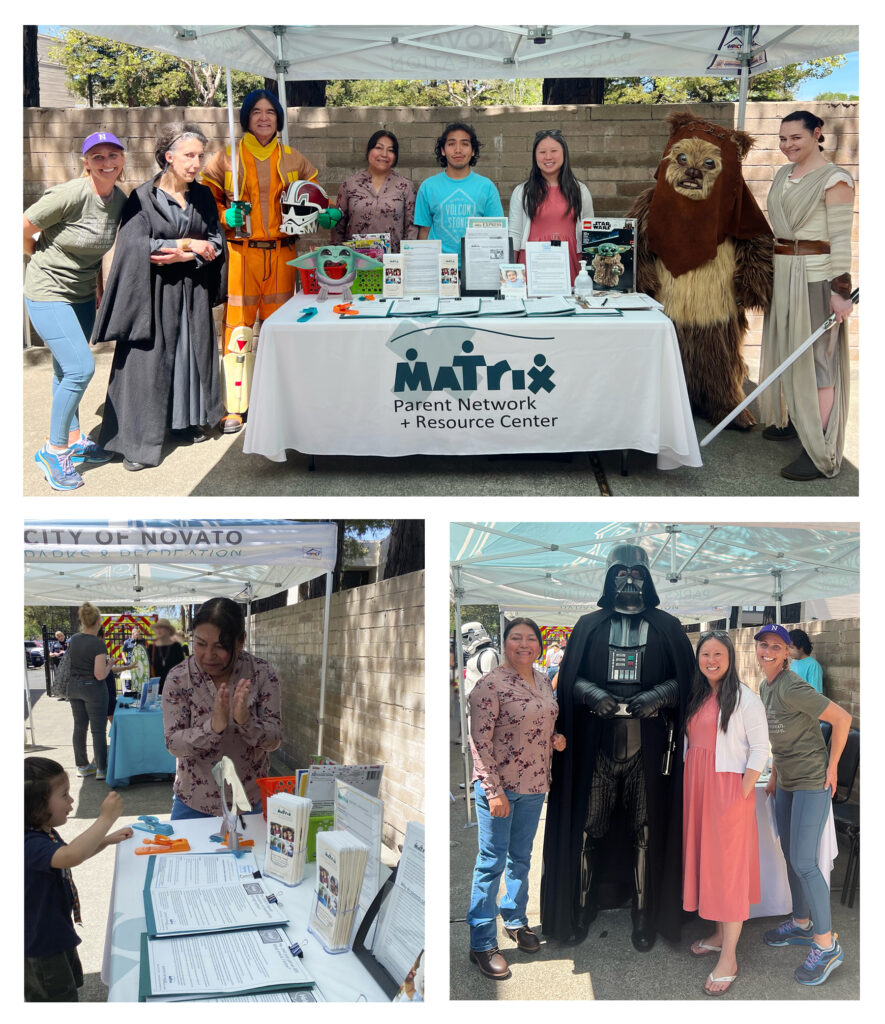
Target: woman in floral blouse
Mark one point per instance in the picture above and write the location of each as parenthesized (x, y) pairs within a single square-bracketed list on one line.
[(512, 716), (377, 200), (220, 701)]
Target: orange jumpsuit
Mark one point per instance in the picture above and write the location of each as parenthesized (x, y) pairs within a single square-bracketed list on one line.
[(259, 279)]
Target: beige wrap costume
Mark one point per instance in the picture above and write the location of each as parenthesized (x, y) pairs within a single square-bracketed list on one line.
[(800, 304)]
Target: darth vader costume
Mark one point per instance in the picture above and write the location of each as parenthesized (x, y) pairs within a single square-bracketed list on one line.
[(614, 813)]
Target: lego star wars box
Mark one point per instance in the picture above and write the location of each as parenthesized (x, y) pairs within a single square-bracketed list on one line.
[(608, 244)]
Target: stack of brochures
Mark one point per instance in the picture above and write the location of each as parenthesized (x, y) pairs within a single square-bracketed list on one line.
[(341, 864), (214, 927), (288, 817), (399, 937)]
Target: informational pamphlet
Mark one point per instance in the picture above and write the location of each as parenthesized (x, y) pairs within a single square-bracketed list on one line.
[(362, 816), (484, 249), (321, 781), (464, 305), (415, 305), (547, 266), (197, 905), (224, 963), (512, 282), (341, 864), (420, 265), (288, 817), (399, 938), (502, 307), (552, 306), (449, 276), (393, 275), (609, 247)]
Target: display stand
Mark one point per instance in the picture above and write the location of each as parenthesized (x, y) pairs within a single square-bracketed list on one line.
[(364, 954), (465, 276)]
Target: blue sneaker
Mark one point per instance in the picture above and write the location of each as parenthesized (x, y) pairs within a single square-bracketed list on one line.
[(820, 963), (58, 469), (789, 934), (86, 450)]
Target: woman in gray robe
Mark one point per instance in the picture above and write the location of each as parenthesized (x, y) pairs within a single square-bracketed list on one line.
[(165, 279), (811, 208)]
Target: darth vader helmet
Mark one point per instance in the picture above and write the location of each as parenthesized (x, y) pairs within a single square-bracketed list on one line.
[(301, 203), (629, 588)]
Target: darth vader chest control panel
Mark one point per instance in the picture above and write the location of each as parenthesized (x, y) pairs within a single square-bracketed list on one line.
[(628, 636)]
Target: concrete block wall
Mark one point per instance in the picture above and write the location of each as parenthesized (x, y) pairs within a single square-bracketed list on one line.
[(374, 708), (614, 149), (836, 645)]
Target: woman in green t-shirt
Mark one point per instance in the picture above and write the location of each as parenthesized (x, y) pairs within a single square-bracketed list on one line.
[(77, 222), (803, 781)]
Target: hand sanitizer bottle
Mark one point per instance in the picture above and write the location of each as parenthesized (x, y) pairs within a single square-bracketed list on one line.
[(583, 283)]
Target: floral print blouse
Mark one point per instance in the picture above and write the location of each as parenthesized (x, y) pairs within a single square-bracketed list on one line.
[(367, 212), (188, 699), (511, 732)]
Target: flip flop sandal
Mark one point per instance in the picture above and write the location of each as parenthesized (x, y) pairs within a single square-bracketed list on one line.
[(728, 978), (707, 950)]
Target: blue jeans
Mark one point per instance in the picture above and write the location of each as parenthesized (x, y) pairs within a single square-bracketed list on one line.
[(801, 816), (89, 706), (181, 810), (66, 328), (505, 847)]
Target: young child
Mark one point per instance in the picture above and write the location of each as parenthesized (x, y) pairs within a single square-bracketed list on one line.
[(52, 968)]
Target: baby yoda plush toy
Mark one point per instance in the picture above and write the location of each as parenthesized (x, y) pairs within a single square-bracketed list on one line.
[(335, 267)]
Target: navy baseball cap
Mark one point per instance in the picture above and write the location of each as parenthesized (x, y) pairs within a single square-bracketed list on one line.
[(773, 628), (97, 138)]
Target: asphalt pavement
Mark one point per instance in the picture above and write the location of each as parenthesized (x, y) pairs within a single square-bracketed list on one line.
[(606, 966), (735, 463)]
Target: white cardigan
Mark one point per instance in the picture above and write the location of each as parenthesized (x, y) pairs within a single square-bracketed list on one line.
[(745, 744), (519, 226)]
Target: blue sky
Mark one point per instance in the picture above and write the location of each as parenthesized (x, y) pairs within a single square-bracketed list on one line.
[(844, 79)]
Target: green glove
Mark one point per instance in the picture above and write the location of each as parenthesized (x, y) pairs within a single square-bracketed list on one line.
[(235, 217), (329, 218)]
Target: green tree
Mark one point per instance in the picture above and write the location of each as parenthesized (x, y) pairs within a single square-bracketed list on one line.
[(836, 97), (487, 614), (116, 74), (433, 93)]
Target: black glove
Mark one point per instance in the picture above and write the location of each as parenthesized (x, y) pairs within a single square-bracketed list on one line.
[(599, 701), (648, 702)]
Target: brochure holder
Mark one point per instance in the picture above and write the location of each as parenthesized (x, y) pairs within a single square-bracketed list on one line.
[(465, 277), (341, 914), (364, 953)]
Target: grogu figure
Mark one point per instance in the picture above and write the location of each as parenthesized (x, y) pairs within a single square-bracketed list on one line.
[(704, 250), (335, 267), (606, 263)]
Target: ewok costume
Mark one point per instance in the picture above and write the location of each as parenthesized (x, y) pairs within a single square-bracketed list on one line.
[(704, 250), (614, 812)]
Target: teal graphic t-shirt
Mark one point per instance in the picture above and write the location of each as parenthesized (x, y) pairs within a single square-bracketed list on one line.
[(445, 203)]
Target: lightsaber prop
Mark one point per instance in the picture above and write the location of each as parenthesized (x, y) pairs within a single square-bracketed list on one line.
[(772, 377)]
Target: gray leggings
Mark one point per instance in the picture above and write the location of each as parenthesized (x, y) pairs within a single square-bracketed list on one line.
[(801, 817), (89, 706)]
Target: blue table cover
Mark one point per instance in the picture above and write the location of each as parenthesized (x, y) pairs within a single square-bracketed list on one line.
[(137, 746)]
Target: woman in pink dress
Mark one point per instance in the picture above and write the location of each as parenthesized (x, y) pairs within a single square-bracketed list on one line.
[(551, 203), (726, 748)]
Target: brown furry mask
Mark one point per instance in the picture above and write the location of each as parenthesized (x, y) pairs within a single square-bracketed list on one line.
[(700, 198), (692, 167)]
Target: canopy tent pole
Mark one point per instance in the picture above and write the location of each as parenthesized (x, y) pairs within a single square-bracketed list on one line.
[(281, 67), (462, 709), (248, 616), (30, 708), (326, 614), (778, 592), (744, 78)]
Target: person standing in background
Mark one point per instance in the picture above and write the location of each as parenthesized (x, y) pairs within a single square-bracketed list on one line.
[(802, 663)]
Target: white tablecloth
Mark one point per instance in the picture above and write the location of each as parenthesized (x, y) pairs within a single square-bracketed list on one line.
[(341, 387), (341, 977), (776, 900)]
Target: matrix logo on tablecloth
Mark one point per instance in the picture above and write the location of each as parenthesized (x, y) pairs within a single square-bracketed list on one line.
[(450, 363)]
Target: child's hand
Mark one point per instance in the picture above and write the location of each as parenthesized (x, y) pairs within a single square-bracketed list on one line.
[(112, 838), (111, 806)]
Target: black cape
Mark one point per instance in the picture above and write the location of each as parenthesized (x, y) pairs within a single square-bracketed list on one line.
[(569, 795), (142, 309)]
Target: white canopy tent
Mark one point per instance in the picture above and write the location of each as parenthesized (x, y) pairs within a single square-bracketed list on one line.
[(554, 572), (163, 562), (304, 52)]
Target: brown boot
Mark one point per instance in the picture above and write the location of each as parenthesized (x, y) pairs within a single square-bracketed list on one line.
[(525, 938), (491, 963)]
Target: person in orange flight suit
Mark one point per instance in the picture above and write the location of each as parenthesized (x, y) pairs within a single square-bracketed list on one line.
[(259, 277)]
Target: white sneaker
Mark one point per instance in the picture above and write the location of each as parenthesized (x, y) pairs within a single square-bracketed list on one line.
[(82, 773)]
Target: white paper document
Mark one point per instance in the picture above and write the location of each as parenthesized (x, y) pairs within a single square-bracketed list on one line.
[(420, 265), (425, 305), (198, 966), (362, 816), (195, 869), (502, 307), (551, 306), (485, 249), (400, 934), (547, 267), (464, 306), (321, 779)]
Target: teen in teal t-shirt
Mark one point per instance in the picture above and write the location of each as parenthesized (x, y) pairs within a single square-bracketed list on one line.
[(446, 200)]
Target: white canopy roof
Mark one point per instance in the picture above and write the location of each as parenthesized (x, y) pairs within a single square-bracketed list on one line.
[(171, 561), (554, 572), (301, 52)]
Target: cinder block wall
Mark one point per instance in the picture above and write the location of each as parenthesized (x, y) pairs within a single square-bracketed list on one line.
[(374, 709), (614, 149), (836, 645)]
